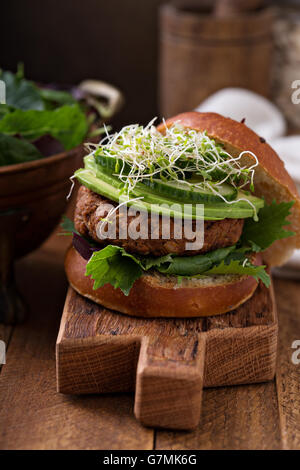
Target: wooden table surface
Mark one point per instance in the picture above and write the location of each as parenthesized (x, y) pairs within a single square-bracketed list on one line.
[(34, 416)]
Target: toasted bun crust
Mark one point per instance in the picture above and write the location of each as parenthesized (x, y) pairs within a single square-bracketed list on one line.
[(156, 295), (271, 178)]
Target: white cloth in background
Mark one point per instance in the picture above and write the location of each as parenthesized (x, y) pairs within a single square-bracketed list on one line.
[(268, 122), (237, 103)]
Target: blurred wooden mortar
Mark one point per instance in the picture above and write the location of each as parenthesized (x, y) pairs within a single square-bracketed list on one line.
[(204, 49)]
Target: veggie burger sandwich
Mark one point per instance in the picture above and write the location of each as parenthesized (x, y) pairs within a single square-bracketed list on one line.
[(181, 220)]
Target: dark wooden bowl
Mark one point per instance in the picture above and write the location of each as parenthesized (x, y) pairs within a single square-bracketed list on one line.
[(32, 201), (37, 190)]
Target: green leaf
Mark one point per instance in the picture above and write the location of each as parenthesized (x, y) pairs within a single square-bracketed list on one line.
[(151, 262), (192, 265), (66, 124), (236, 267), (269, 228), (53, 98), (24, 94), (112, 266), (13, 150), (21, 93), (4, 109), (67, 226)]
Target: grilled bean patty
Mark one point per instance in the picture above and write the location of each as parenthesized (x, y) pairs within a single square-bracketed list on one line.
[(217, 234)]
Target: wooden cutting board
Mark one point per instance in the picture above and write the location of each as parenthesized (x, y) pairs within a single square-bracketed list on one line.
[(167, 362)]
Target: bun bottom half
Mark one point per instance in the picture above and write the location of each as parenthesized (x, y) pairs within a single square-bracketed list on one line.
[(156, 295)]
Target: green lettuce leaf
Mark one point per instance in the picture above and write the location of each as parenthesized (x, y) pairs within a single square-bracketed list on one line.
[(269, 228), (114, 266), (67, 124), (236, 267), (13, 150), (193, 265), (152, 262)]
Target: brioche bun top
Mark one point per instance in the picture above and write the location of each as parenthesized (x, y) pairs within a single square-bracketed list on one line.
[(271, 179)]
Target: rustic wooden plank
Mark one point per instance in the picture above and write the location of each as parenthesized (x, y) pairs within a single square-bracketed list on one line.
[(288, 374), (32, 414), (99, 350), (238, 418)]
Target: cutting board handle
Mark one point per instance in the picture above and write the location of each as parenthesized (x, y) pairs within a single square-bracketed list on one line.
[(169, 381)]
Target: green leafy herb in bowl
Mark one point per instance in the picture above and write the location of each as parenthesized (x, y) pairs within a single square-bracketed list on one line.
[(32, 113)]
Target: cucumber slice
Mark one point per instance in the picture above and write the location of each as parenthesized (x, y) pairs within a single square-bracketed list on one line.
[(183, 191), (111, 164), (90, 164), (111, 187), (171, 189)]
